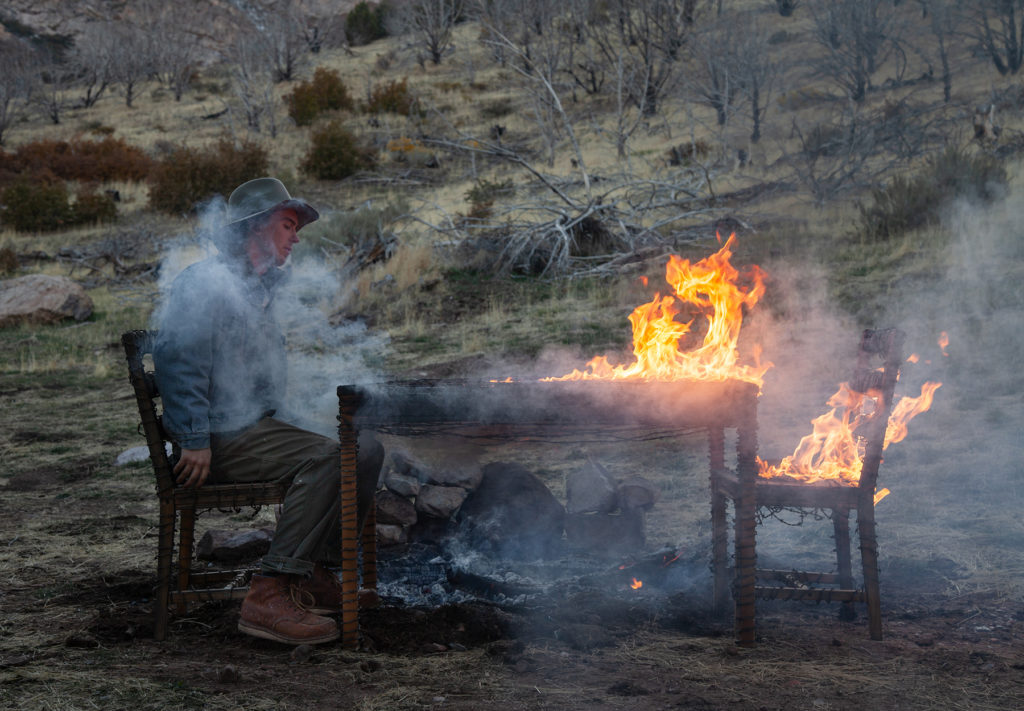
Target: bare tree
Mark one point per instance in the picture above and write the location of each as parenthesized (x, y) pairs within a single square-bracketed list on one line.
[(432, 21), (645, 38), (998, 28), (176, 55), (15, 84), (716, 77), (758, 71), (858, 36), (91, 57), (252, 81), (51, 90), (943, 19), (131, 49)]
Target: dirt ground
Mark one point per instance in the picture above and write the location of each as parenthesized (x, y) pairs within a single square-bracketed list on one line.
[(78, 541)]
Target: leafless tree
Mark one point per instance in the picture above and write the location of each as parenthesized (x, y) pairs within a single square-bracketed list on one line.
[(176, 55), (645, 38), (716, 77), (132, 49), (15, 84), (52, 85), (92, 59), (943, 18), (252, 81), (758, 71), (998, 28), (432, 22), (857, 36)]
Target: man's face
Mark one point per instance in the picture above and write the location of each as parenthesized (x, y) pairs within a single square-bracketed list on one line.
[(274, 241)]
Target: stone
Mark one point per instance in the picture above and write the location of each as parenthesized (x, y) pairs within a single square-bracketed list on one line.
[(41, 298), (604, 534), (590, 490), (390, 535), (401, 484), (444, 461), (637, 493), (394, 509), (440, 501), (234, 546), (137, 454), (512, 514)]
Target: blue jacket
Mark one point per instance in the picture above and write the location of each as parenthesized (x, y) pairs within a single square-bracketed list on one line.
[(219, 358)]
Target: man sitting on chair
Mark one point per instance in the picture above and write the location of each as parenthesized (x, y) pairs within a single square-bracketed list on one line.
[(220, 367)]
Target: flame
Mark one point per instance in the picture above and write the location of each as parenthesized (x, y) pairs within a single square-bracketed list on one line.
[(943, 342), (709, 286), (636, 584), (834, 452), (914, 358), (881, 494)]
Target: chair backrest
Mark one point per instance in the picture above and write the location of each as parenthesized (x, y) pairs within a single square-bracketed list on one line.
[(884, 346), (137, 345)]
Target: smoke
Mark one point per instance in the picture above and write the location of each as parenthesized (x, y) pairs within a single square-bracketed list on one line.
[(320, 355)]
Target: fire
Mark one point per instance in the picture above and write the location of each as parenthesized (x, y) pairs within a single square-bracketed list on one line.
[(636, 584), (711, 287), (943, 342), (833, 452)]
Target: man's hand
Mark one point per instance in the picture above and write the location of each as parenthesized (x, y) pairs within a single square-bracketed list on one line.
[(193, 467)]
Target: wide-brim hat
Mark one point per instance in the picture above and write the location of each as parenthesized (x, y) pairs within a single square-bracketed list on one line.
[(264, 196)]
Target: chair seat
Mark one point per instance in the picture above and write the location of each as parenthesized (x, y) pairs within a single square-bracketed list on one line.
[(784, 492), (229, 495)]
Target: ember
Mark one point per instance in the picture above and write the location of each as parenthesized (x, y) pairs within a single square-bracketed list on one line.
[(712, 287)]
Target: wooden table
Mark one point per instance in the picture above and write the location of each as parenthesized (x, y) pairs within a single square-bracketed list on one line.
[(424, 407)]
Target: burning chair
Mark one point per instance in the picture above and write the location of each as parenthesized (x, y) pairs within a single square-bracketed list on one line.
[(871, 392), (181, 585)]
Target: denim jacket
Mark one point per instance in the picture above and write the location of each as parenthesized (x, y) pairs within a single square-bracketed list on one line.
[(219, 358)]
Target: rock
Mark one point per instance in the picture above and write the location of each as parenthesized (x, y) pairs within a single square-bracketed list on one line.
[(637, 493), (401, 484), (605, 534), (394, 509), (41, 298), (513, 514), (440, 501), (302, 653), (391, 535), (234, 546), (444, 461), (228, 674), (590, 490), (137, 454)]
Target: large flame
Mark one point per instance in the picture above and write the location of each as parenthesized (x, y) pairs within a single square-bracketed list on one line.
[(834, 452), (712, 287)]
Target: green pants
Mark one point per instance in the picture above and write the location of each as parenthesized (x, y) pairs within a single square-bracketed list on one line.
[(309, 530)]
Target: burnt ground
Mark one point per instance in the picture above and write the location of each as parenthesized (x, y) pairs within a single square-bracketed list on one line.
[(77, 547)]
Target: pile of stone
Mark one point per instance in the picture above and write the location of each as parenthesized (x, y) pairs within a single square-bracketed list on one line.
[(606, 515)]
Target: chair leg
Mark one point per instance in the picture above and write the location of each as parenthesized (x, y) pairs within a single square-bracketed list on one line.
[(164, 562), (841, 525), (186, 539), (349, 440), (369, 546), (869, 559)]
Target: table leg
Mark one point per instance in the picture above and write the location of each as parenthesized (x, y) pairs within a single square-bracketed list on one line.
[(745, 532), (348, 437)]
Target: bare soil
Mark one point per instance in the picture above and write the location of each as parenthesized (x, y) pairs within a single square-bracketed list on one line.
[(77, 548)]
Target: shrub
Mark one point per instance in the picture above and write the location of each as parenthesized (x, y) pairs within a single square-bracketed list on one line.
[(909, 203), (91, 207), (393, 97), (8, 261), (188, 176), (83, 160), (324, 92), (335, 153), (482, 195), (364, 24), (36, 206)]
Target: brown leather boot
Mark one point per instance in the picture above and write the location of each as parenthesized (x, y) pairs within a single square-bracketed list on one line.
[(273, 610), (325, 587)]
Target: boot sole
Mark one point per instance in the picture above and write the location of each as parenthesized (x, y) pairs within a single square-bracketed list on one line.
[(265, 633)]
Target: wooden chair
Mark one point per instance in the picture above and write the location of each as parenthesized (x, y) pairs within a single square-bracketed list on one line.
[(180, 585), (878, 362)]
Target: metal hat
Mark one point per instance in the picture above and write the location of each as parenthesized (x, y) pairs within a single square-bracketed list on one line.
[(263, 196)]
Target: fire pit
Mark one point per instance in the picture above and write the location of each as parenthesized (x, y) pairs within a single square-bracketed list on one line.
[(534, 411)]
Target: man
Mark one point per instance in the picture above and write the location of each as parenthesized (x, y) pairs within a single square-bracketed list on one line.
[(220, 366)]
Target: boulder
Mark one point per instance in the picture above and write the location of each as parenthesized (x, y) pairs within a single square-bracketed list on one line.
[(444, 461), (234, 546), (637, 493), (440, 501), (605, 534), (401, 484), (394, 509), (41, 298), (512, 514), (391, 535), (590, 490)]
